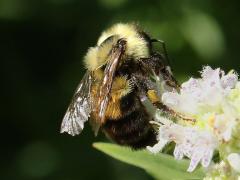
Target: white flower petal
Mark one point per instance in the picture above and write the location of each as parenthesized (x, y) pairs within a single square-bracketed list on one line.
[(234, 161), (171, 99), (158, 147), (195, 159), (207, 158), (178, 153), (229, 80)]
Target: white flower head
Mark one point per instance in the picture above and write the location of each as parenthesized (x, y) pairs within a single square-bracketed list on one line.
[(213, 101), (207, 95)]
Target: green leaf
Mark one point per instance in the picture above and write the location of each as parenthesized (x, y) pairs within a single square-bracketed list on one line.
[(160, 166)]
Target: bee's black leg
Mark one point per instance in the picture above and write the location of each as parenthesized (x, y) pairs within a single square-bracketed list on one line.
[(155, 64)]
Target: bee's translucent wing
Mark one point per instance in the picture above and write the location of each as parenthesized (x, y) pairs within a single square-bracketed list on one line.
[(79, 109), (109, 73)]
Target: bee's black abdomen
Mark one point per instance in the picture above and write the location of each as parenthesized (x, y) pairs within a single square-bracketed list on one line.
[(133, 128)]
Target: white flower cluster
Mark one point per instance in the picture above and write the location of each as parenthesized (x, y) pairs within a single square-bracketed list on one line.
[(197, 145), (214, 102), (206, 99)]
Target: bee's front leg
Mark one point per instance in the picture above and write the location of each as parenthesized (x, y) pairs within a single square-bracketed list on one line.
[(155, 65)]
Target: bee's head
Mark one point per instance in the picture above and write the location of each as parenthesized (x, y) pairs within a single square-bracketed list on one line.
[(137, 45)]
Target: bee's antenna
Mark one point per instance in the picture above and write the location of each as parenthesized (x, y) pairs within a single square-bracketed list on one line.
[(164, 48)]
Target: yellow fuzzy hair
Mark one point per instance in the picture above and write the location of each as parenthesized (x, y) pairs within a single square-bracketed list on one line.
[(90, 60), (98, 56), (136, 45), (120, 88)]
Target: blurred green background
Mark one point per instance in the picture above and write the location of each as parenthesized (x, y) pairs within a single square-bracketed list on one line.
[(42, 44)]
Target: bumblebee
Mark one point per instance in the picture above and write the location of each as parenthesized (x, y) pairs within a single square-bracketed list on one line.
[(112, 91)]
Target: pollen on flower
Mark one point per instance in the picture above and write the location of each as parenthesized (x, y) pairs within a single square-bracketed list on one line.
[(211, 120)]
